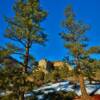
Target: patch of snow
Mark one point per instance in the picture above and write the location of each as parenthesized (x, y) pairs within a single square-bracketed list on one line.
[(90, 89), (97, 92), (2, 93), (65, 86), (40, 97), (28, 94)]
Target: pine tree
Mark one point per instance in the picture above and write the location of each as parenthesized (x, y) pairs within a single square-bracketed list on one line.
[(92, 68), (77, 44), (25, 27), (24, 30)]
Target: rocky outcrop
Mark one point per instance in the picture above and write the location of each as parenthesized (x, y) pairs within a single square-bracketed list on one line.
[(58, 64), (42, 65), (47, 65)]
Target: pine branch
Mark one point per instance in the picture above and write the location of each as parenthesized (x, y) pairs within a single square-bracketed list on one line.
[(14, 60), (12, 35)]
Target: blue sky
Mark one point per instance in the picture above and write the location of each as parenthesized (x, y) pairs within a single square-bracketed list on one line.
[(86, 10)]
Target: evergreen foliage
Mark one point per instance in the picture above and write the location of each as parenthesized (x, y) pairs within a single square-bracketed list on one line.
[(76, 43), (24, 29)]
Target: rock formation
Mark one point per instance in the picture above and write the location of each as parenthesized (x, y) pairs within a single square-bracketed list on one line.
[(47, 65)]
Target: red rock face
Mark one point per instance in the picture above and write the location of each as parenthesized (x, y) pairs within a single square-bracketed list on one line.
[(58, 64), (95, 97)]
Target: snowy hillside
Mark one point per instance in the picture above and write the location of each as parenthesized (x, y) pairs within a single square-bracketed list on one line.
[(64, 86)]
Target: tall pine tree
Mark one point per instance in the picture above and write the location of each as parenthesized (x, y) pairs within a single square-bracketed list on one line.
[(24, 30), (77, 44)]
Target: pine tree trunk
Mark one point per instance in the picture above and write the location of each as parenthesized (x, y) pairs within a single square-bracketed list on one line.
[(26, 58), (21, 96), (90, 80), (84, 94)]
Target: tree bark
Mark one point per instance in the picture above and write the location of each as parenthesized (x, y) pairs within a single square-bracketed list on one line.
[(25, 67), (84, 94), (26, 58), (21, 96), (90, 80)]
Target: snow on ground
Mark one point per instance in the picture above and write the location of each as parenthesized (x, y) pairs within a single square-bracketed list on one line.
[(61, 86), (5, 93), (90, 89), (97, 92), (66, 86)]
